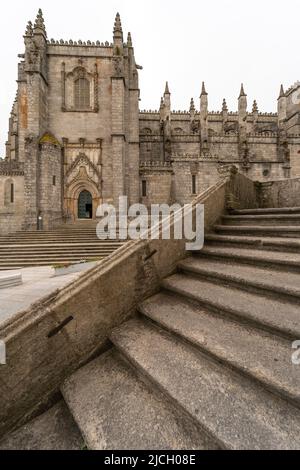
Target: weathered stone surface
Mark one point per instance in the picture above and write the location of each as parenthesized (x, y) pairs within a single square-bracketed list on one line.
[(236, 412), (273, 282), (262, 356), (274, 315), (53, 430), (116, 410)]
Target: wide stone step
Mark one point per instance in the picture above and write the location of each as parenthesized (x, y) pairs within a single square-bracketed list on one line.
[(236, 412), (265, 313), (50, 254), (53, 430), (265, 243), (266, 258), (263, 230), (115, 410), (271, 210), (264, 357), (267, 219), (273, 282), (66, 245)]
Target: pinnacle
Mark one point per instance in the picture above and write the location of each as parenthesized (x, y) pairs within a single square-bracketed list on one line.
[(192, 105), (39, 22), (203, 91), (224, 106), (118, 25), (281, 93), (161, 103), (29, 29), (167, 92), (254, 107), (129, 40), (242, 92)]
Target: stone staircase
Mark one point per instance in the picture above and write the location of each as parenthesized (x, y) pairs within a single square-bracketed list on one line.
[(66, 244), (207, 362)]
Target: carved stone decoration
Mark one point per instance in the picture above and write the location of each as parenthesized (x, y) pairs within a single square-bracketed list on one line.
[(118, 66), (194, 126), (83, 160), (245, 155), (225, 169), (230, 127)]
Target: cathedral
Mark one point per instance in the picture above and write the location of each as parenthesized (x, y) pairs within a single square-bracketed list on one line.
[(78, 138)]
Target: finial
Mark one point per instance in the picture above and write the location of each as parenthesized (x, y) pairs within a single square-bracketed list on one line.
[(192, 106), (203, 91), (242, 92), (281, 93), (254, 107), (39, 22), (224, 106), (29, 29), (167, 92), (129, 40), (118, 32)]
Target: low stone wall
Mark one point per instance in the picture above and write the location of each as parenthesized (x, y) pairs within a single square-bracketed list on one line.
[(242, 193), (282, 193), (46, 343)]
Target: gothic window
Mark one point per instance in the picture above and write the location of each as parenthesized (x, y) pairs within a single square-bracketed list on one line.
[(82, 93)]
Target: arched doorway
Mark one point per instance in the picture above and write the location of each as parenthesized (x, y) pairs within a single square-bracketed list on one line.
[(85, 205)]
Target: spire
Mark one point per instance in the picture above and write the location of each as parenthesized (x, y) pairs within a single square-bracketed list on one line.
[(224, 106), (254, 107), (129, 40), (39, 24), (167, 92), (118, 32), (203, 91), (242, 92), (192, 106), (29, 29), (281, 93)]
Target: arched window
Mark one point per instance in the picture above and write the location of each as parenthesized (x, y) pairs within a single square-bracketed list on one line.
[(82, 93)]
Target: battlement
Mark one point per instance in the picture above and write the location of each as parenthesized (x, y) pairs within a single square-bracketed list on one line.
[(81, 43)]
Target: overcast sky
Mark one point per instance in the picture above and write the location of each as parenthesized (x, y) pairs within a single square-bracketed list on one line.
[(223, 42)]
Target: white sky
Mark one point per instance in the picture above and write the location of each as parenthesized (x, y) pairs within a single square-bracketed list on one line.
[(224, 42)]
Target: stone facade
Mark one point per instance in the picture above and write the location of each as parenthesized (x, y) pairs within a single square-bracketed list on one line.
[(76, 126)]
